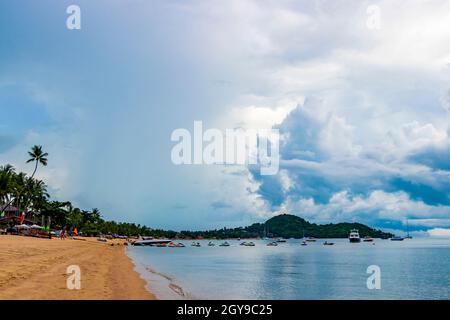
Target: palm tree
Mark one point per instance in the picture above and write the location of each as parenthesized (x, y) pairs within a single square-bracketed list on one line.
[(37, 194), (95, 215), (6, 176), (6, 173), (37, 155), (19, 186)]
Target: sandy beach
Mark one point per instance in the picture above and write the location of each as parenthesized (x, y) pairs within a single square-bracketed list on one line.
[(32, 268)]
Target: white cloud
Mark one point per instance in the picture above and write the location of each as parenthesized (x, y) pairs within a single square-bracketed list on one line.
[(439, 233), (342, 206)]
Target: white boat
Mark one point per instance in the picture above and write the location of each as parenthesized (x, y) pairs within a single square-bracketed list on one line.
[(150, 242), (407, 230), (354, 236)]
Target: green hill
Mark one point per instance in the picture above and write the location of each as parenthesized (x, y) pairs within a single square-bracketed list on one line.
[(290, 226), (285, 226)]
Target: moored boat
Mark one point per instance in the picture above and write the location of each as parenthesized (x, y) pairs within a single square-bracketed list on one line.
[(368, 239), (224, 244), (396, 238), (272, 244), (408, 236), (149, 242), (176, 245), (160, 245), (354, 236)]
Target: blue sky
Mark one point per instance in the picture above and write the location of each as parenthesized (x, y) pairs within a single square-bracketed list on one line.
[(363, 113)]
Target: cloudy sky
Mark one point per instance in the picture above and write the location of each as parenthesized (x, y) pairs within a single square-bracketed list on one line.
[(359, 90)]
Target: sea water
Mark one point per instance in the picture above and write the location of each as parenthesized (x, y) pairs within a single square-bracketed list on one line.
[(409, 269)]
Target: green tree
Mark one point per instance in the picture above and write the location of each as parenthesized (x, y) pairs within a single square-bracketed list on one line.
[(38, 156)]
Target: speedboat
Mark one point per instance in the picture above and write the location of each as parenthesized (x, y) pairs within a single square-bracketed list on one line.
[(272, 244), (304, 243), (354, 236), (149, 242), (368, 239), (160, 245), (176, 245), (224, 244), (397, 238), (326, 243), (310, 239), (195, 244), (281, 240), (211, 244), (250, 244)]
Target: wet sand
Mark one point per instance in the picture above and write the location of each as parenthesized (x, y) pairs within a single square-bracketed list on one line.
[(32, 268)]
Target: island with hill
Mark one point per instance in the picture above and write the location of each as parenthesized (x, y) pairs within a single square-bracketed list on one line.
[(288, 226)]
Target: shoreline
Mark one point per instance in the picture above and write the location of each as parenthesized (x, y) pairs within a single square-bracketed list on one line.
[(161, 285), (33, 268)]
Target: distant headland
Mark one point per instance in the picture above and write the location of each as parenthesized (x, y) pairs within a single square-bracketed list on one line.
[(286, 226)]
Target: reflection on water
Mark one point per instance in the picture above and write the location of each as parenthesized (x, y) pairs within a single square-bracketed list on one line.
[(411, 269)]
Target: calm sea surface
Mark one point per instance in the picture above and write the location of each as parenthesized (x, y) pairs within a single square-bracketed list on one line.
[(411, 269)]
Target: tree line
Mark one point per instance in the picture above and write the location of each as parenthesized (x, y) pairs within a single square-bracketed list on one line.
[(30, 196)]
